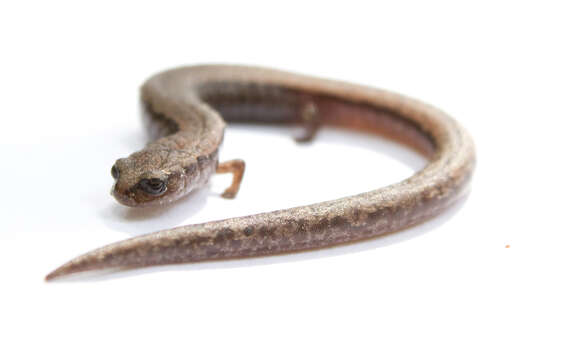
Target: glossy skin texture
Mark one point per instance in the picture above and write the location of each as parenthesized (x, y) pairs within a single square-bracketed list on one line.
[(191, 105)]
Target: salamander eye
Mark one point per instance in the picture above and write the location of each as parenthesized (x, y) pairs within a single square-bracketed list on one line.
[(153, 186), (115, 172)]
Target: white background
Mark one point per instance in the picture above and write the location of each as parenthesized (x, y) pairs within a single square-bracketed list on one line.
[(508, 71)]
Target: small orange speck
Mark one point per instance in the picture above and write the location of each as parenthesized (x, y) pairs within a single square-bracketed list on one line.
[(507, 246)]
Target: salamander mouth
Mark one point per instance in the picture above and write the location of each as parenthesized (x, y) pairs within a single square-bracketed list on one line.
[(126, 198)]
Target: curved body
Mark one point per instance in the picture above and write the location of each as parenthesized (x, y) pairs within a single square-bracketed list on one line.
[(191, 106)]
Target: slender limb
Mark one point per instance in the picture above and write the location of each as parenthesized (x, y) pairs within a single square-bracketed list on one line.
[(236, 167), (311, 121)]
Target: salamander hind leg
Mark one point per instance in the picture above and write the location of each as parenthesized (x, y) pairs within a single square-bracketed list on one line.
[(311, 122), (236, 167)]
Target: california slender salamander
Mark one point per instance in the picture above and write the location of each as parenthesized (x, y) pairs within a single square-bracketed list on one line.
[(188, 107)]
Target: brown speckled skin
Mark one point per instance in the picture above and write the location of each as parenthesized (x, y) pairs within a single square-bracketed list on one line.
[(194, 99)]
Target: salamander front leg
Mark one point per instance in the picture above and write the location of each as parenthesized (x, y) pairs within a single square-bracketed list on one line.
[(236, 167), (311, 122)]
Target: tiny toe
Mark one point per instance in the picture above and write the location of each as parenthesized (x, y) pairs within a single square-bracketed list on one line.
[(229, 194), (306, 138)]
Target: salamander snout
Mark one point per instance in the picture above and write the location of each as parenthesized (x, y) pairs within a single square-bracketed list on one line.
[(138, 185)]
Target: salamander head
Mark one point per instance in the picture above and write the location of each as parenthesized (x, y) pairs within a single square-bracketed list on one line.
[(150, 178)]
